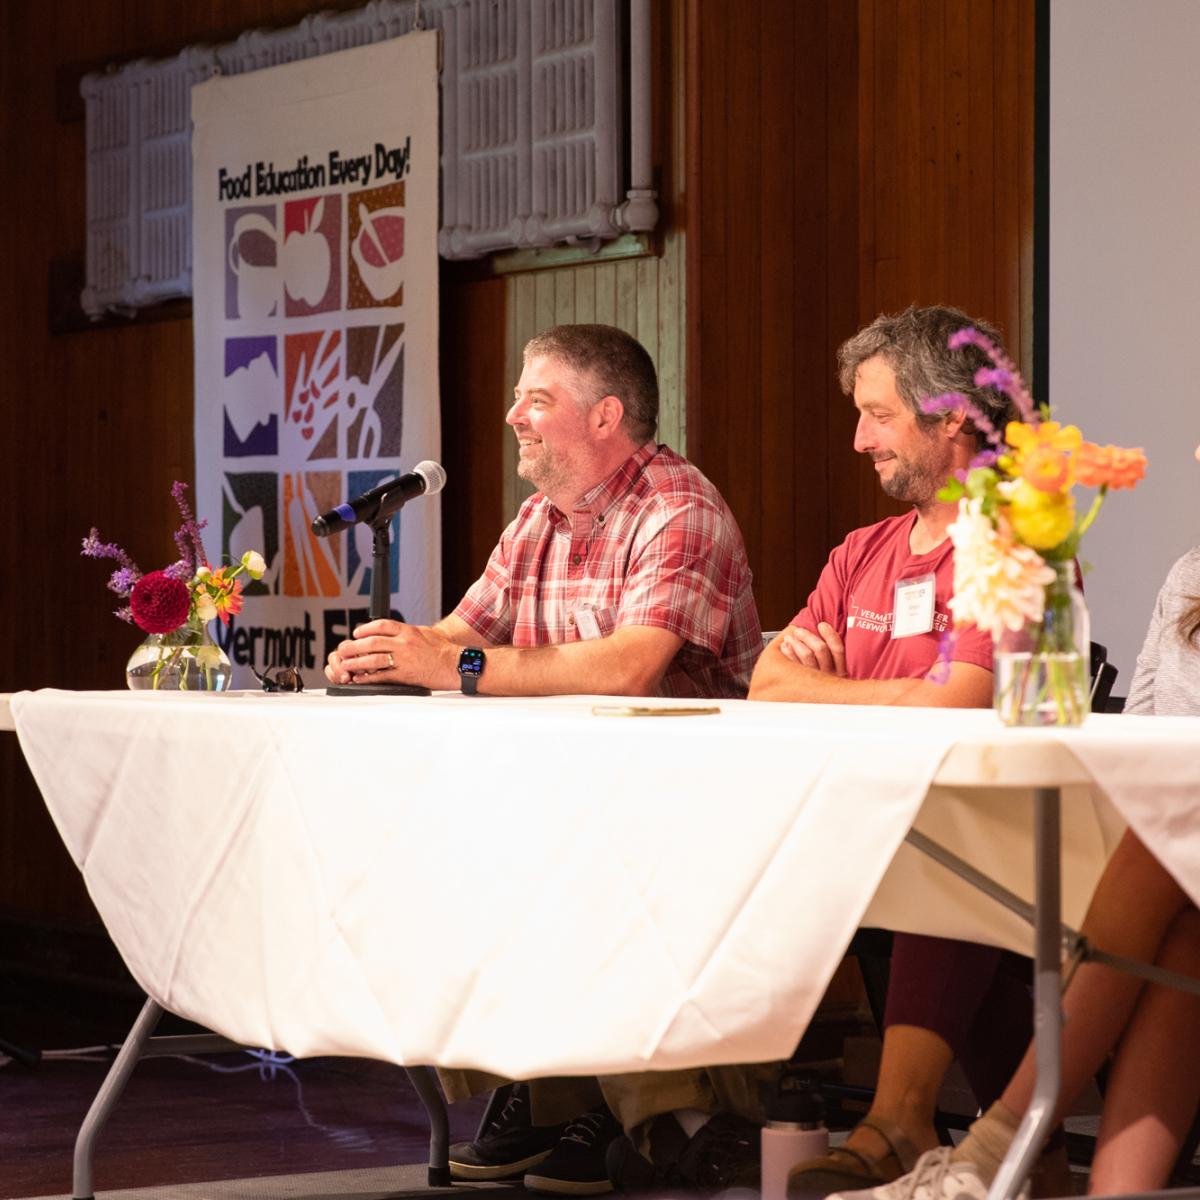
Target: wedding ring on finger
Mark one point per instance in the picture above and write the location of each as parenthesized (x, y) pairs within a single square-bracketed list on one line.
[(391, 661)]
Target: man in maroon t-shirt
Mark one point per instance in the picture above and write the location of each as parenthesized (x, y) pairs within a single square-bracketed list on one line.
[(871, 633)]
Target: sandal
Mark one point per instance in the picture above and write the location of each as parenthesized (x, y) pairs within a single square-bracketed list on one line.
[(846, 1169)]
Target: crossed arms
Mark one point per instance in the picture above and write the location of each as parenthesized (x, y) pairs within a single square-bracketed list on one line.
[(801, 665)]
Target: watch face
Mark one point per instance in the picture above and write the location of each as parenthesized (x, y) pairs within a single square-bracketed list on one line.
[(470, 662)]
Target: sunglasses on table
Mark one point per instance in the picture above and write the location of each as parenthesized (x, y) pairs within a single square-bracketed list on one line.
[(280, 679)]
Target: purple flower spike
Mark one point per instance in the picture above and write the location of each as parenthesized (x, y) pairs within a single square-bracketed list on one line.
[(946, 402), (126, 614), (995, 377), (93, 547), (121, 581), (1003, 374), (187, 536), (939, 673), (985, 458)]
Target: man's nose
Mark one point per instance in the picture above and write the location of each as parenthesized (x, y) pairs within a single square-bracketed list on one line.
[(516, 414), (862, 438)]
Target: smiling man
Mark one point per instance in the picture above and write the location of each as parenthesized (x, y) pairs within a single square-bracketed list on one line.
[(871, 634), (871, 630), (625, 574)]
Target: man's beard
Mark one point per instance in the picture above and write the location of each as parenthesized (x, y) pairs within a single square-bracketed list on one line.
[(547, 472), (912, 483)]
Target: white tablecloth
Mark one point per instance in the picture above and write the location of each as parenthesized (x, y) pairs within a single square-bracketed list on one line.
[(529, 888)]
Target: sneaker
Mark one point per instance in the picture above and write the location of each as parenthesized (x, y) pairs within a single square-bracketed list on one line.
[(510, 1145), (724, 1154), (934, 1177), (576, 1166)]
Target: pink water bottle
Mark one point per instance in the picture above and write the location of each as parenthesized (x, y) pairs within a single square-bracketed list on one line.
[(794, 1132)]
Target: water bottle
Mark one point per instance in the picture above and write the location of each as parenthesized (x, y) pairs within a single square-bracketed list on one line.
[(794, 1132)]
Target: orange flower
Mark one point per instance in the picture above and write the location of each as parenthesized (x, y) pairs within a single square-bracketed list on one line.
[(225, 593), (1042, 453), (1111, 465)]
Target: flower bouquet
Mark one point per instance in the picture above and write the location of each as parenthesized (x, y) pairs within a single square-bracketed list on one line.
[(1016, 538), (175, 605)]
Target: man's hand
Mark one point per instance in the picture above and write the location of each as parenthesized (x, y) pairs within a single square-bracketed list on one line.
[(391, 652), (823, 650)]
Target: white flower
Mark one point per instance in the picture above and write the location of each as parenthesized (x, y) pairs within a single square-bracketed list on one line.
[(254, 563), (208, 657), (998, 583), (206, 610), (202, 573)]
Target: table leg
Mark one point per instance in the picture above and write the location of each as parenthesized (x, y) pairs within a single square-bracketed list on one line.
[(439, 1125), (1047, 1000), (108, 1095)]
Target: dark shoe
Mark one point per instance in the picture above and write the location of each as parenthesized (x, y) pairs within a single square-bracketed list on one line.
[(576, 1166), (724, 1154), (844, 1169), (509, 1146)]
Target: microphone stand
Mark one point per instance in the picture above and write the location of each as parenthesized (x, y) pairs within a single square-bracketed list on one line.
[(381, 608)]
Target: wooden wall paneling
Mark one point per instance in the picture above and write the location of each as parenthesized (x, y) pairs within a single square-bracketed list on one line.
[(913, 62), (781, 471), (959, 158), (669, 313), (932, 150), (1007, 180), (475, 399), (982, 284)]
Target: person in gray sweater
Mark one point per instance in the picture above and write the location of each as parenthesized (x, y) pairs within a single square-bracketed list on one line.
[(1166, 681)]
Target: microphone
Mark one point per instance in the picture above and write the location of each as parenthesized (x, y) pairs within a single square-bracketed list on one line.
[(425, 479)]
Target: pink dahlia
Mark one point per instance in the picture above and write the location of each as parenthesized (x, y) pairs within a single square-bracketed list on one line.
[(159, 602)]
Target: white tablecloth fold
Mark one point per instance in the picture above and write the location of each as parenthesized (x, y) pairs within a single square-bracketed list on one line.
[(526, 887)]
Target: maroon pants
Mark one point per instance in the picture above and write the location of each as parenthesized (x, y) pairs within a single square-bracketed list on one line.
[(975, 998)]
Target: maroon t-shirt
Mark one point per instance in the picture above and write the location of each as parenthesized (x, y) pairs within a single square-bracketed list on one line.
[(856, 594)]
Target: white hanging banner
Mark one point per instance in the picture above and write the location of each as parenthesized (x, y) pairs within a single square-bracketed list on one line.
[(315, 310)]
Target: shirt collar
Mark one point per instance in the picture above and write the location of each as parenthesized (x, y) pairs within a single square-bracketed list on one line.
[(608, 491)]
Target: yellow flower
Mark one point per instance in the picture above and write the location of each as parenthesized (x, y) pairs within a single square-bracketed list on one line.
[(1040, 519), (1043, 453), (1050, 434)]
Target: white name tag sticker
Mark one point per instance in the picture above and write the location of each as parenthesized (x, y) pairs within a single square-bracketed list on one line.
[(586, 623), (912, 612)]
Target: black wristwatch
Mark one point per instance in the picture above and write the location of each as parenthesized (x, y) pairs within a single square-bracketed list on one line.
[(471, 661)]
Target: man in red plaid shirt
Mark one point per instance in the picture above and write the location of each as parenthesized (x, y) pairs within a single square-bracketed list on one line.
[(625, 574)]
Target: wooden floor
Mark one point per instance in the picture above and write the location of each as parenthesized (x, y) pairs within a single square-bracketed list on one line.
[(189, 1120)]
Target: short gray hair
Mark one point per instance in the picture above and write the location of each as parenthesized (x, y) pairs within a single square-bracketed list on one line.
[(619, 364), (914, 344)]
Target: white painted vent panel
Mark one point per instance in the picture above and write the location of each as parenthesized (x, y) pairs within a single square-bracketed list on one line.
[(533, 109)]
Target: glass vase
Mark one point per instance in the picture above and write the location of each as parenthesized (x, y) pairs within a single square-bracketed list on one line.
[(1041, 670), (186, 659)]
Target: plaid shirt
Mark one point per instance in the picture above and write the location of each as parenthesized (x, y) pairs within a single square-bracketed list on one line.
[(654, 545)]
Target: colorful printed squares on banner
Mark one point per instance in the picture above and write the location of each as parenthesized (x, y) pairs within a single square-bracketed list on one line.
[(250, 397), (374, 391), (312, 251), (375, 274), (314, 399), (250, 521), (311, 565), (251, 253)]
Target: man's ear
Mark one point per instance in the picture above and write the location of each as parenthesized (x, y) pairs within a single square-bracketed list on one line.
[(606, 416), (957, 421)]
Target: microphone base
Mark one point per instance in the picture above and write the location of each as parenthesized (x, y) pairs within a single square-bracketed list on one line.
[(376, 689)]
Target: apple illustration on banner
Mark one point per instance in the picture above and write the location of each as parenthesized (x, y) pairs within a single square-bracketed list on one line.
[(306, 259)]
